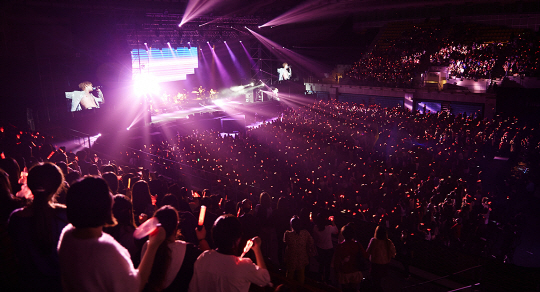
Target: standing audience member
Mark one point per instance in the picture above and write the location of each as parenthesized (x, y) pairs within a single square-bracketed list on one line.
[(299, 245), (36, 228), (381, 250), (123, 231), (173, 264), (349, 255), (221, 269), (322, 234), (142, 202), (405, 252), (90, 259)]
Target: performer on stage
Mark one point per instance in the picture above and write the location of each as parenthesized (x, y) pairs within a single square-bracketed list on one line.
[(85, 99), (285, 72)]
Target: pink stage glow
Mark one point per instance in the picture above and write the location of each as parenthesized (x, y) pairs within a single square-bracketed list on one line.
[(320, 9), (196, 8), (289, 56)]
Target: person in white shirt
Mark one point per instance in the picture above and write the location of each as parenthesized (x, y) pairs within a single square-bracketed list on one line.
[(221, 269), (90, 259), (322, 235)]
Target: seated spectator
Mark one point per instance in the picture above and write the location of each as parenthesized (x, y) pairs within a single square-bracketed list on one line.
[(35, 230), (173, 264), (221, 269), (108, 267)]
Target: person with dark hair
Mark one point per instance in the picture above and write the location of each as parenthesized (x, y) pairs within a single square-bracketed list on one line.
[(181, 194), (322, 234), (36, 228), (173, 264), (8, 202), (170, 200), (82, 164), (263, 213), (142, 202), (299, 245), (221, 269), (228, 207), (122, 232), (381, 250), (108, 266), (347, 259), (112, 181), (108, 168), (11, 167)]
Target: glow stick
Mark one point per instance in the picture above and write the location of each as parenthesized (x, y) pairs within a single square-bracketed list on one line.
[(201, 215), (248, 246)]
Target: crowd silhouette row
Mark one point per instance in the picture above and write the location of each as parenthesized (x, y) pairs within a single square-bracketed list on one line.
[(314, 176)]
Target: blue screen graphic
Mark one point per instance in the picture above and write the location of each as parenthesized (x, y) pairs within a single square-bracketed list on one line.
[(164, 65)]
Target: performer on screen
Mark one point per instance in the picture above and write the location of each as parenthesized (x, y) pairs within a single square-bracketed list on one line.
[(85, 99), (285, 72)]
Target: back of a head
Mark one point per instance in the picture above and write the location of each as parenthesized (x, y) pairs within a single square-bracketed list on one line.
[(320, 221), (89, 203), (81, 155), (187, 225), (226, 231), (44, 180), (112, 181), (171, 200), (175, 190), (380, 233), (141, 196), (108, 168), (348, 232), (123, 210), (296, 224), (265, 200), (230, 207), (168, 218)]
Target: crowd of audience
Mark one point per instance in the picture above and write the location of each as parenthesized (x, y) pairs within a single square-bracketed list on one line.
[(452, 45), (310, 172)]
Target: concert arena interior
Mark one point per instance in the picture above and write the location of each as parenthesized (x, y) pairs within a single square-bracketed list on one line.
[(295, 145)]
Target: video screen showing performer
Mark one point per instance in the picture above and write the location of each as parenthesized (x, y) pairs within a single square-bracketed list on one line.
[(85, 99), (285, 72)]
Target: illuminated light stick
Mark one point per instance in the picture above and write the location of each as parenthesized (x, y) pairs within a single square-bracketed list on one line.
[(248, 246), (129, 183), (50, 155), (150, 226), (201, 215)]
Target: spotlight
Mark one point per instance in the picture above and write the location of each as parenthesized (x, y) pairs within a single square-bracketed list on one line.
[(128, 128), (240, 41), (224, 42)]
